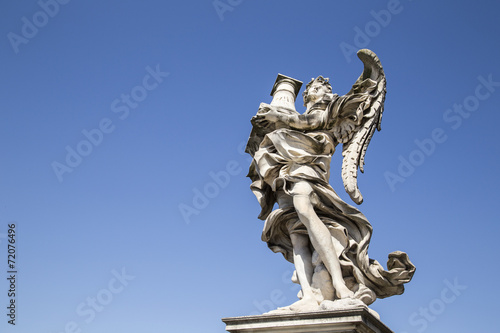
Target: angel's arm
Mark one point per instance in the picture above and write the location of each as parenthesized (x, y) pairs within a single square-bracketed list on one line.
[(302, 122)]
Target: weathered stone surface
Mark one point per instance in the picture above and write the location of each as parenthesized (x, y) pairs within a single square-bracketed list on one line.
[(358, 320), (325, 238)]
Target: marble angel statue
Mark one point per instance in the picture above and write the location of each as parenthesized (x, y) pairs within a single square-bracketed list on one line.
[(325, 238)]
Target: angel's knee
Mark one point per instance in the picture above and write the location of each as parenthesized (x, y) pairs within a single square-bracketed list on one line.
[(301, 188)]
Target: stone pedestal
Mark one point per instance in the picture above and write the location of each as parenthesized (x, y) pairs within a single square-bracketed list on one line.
[(339, 321)]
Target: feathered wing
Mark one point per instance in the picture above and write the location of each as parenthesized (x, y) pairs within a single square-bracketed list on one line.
[(356, 116)]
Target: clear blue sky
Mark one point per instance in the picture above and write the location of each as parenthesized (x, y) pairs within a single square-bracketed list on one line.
[(116, 115)]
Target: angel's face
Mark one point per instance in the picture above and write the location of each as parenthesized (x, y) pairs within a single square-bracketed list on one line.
[(316, 92)]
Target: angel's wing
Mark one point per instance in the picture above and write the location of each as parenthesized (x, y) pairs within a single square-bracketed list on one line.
[(356, 116)]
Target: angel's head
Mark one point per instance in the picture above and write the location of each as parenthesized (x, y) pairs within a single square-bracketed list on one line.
[(316, 89)]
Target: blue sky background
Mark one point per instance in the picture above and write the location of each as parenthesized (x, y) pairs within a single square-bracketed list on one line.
[(119, 210)]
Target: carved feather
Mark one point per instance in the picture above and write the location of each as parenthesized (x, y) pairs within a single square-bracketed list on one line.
[(369, 93)]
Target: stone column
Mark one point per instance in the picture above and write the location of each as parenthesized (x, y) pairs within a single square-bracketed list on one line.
[(285, 92)]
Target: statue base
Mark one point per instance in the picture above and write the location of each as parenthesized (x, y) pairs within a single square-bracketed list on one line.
[(358, 320)]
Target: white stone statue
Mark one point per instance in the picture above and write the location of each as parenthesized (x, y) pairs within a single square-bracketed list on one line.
[(325, 238)]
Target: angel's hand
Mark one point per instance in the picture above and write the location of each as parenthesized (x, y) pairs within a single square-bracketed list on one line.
[(265, 117), (263, 108)]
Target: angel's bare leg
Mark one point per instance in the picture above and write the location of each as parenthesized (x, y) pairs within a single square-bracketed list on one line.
[(302, 259), (320, 236)]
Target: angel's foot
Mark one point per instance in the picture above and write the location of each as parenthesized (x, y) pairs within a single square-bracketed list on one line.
[(306, 304), (342, 304), (344, 292)]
